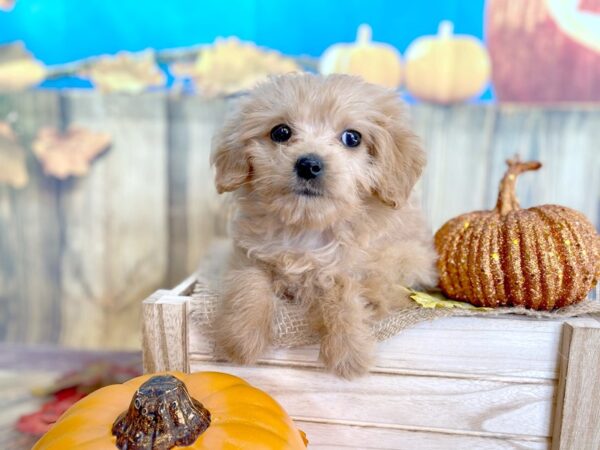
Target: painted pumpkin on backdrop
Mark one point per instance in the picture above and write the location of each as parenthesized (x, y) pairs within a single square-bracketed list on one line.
[(7, 5), (374, 61), (544, 50), (541, 258), (446, 68), (204, 410)]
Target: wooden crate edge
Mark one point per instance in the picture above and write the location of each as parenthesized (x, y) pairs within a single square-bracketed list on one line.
[(576, 421), (165, 331)]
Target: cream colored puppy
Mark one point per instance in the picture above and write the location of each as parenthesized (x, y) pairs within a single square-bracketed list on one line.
[(322, 169)]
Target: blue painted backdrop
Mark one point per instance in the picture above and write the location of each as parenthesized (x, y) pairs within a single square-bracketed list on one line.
[(59, 31)]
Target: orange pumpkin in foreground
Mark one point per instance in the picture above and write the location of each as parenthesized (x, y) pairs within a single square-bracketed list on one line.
[(205, 410), (542, 258)]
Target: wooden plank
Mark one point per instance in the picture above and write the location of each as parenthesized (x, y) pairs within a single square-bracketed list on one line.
[(500, 347), (164, 334), (457, 140), (185, 287), (437, 404), (30, 232), (577, 419), (195, 210), (339, 436), (467, 146), (565, 141), (115, 221)]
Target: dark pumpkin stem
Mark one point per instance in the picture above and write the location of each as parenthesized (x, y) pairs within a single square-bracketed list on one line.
[(161, 415), (507, 195)]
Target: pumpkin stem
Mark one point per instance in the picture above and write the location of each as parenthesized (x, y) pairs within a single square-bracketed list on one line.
[(161, 415), (445, 29), (364, 34), (507, 196)]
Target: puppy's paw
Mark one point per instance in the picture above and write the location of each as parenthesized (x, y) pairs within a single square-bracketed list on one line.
[(242, 343), (347, 356), (242, 328), (243, 348)]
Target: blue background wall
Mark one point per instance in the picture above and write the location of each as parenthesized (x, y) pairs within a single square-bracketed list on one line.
[(59, 31)]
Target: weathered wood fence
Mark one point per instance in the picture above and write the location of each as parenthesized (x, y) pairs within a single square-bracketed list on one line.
[(78, 256)]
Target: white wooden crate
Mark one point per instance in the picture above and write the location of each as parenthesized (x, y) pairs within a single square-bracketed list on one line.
[(454, 383)]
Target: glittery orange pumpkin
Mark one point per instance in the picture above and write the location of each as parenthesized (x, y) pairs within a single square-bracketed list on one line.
[(542, 258)]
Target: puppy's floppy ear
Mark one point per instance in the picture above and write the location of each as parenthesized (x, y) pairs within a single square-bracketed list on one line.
[(398, 155), (229, 154)]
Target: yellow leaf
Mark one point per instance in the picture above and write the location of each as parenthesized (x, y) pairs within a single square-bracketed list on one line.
[(437, 300), (18, 69), (125, 72), (230, 65)]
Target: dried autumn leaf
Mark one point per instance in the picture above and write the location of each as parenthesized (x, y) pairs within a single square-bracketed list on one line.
[(68, 389), (7, 5), (13, 166), (229, 66), (18, 69), (438, 300), (40, 421), (125, 72), (70, 153)]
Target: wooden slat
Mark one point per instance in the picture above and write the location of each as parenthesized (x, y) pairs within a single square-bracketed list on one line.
[(115, 221), (457, 140), (195, 209), (30, 232), (470, 152), (482, 408), (565, 141), (577, 420), (185, 287), (467, 147), (164, 334), (499, 347), (337, 436)]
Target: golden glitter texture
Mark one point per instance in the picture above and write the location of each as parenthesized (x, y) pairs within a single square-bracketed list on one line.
[(544, 257)]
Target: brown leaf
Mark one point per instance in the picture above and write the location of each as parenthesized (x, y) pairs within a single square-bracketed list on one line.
[(125, 72), (7, 5), (18, 69), (13, 167), (229, 66), (70, 153)]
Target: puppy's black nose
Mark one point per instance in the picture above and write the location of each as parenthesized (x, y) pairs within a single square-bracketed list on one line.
[(309, 167)]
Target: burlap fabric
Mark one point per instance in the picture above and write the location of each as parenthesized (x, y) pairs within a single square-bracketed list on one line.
[(291, 329)]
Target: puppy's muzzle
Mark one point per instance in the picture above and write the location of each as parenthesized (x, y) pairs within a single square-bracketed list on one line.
[(309, 167)]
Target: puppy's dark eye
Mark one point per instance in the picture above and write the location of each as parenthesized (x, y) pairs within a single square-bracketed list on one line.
[(350, 138), (281, 133)]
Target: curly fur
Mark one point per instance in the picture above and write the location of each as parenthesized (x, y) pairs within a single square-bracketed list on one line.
[(345, 253)]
